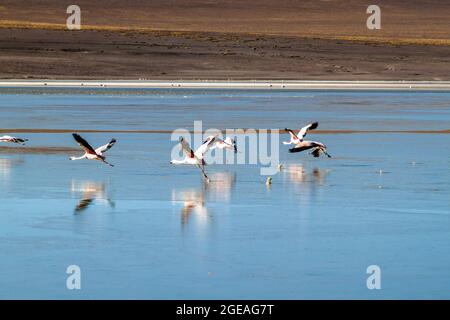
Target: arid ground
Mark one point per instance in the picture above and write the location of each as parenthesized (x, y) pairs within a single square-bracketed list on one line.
[(226, 40)]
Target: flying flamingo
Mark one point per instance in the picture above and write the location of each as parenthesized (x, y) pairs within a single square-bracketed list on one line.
[(90, 153), (13, 140), (195, 158), (301, 145)]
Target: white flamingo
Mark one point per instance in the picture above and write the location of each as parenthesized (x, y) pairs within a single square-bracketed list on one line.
[(13, 140), (90, 153), (302, 145), (195, 158)]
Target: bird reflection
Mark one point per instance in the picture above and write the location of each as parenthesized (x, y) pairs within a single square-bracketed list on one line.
[(221, 186), (91, 193), (194, 199), (193, 202), (298, 174), (6, 165), (306, 183), (319, 175), (83, 205)]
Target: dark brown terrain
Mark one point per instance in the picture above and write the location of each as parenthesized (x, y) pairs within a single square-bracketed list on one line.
[(226, 40)]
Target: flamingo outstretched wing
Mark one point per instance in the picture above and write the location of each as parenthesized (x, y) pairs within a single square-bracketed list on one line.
[(207, 144), (292, 134), (186, 148), (83, 205), (106, 147), (83, 144), (299, 148), (303, 131)]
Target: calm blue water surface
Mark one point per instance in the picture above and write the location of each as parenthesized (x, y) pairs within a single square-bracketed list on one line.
[(152, 230)]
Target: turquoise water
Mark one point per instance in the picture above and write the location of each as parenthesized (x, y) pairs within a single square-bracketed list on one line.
[(152, 230)]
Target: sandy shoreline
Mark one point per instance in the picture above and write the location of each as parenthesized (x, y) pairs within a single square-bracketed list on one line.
[(257, 84)]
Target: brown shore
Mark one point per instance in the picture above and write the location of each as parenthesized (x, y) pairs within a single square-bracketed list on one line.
[(241, 131), (237, 40), (37, 150)]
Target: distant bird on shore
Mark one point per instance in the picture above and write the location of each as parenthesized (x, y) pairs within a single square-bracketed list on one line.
[(13, 140), (302, 145), (90, 153), (228, 143), (195, 158)]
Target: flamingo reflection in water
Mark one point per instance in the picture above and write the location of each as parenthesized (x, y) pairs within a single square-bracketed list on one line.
[(307, 184), (91, 192), (6, 166), (195, 199), (298, 174)]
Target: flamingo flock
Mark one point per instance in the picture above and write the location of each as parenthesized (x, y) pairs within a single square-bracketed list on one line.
[(196, 158), (212, 142)]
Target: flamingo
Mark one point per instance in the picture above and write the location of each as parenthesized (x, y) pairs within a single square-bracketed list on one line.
[(195, 158), (13, 140), (301, 145), (90, 153)]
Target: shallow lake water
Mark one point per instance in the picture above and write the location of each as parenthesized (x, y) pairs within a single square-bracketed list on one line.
[(146, 229)]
